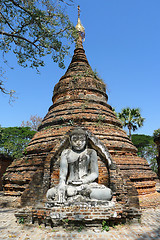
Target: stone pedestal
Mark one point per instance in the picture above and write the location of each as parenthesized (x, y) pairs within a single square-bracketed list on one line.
[(87, 214)]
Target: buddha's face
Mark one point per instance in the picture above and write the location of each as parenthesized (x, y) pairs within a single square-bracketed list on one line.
[(78, 141)]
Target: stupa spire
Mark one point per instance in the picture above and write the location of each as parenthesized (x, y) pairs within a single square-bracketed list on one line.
[(81, 31)]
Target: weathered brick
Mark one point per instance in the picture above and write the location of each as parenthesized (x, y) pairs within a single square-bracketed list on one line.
[(80, 99)]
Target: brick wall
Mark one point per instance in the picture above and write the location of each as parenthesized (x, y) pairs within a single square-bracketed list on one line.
[(78, 214), (4, 163)]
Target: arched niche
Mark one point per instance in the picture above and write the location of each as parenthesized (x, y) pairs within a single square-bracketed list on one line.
[(104, 158)]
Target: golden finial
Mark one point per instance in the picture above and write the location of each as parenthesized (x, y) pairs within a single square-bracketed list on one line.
[(78, 11), (79, 27)]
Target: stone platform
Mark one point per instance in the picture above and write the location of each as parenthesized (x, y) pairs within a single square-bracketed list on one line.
[(81, 213)]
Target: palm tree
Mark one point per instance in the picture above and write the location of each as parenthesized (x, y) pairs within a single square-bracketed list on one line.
[(131, 118)]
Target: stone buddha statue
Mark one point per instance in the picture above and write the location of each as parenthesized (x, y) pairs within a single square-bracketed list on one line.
[(78, 172)]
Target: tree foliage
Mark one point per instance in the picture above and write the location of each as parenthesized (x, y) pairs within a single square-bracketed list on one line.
[(141, 141), (33, 124), (13, 140), (146, 149), (156, 136), (156, 133), (32, 29), (131, 118)]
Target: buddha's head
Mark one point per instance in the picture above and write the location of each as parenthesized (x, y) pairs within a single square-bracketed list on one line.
[(78, 139)]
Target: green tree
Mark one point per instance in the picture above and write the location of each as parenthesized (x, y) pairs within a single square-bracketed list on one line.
[(34, 122), (141, 141), (156, 136), (146, 149), (131, 118), (13, 140), (32, 29)]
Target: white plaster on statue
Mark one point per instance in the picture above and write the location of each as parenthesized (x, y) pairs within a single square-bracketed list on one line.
[(79, 171)]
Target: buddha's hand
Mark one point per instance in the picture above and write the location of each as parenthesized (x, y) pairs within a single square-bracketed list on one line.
[(61, 193), (77, 182)]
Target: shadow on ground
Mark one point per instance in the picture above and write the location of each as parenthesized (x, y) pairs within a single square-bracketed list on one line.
[(155, 235)]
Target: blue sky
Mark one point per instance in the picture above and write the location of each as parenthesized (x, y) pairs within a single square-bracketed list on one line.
[(122, 44)]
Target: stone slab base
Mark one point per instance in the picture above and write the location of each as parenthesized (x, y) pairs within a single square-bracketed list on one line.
[(77, 214)]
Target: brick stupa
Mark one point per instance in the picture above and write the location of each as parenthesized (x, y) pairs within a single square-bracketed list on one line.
[(79, 99)]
